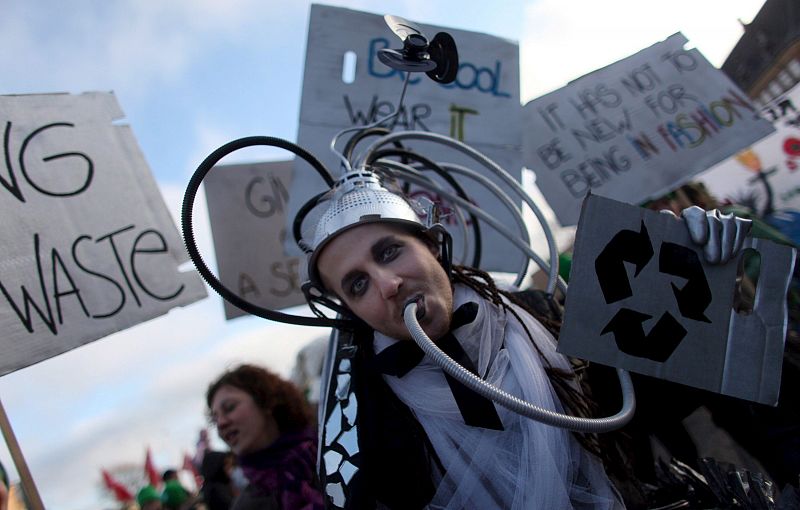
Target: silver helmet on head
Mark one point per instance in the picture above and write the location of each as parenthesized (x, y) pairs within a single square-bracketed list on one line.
[(359, 197)]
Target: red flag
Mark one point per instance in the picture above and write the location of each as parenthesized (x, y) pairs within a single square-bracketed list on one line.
[(120, 492), (188, 465), (150, 470)]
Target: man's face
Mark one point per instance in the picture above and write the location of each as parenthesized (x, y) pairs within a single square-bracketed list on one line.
[(376, 268)]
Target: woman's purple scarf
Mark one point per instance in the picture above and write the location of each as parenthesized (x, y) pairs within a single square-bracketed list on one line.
[(286, 469)]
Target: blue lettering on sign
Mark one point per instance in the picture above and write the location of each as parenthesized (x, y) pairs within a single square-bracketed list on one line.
[(469, 76)]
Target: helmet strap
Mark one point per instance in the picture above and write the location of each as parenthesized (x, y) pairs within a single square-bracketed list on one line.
[(314, 295)]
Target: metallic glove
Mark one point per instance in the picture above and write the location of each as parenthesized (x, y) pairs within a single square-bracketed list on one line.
[(721, 235)]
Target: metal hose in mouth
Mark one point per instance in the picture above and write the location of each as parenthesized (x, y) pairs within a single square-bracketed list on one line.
[(413, 300), (515, 404)]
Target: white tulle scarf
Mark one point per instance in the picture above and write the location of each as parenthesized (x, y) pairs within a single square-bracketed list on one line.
[(527, 465)]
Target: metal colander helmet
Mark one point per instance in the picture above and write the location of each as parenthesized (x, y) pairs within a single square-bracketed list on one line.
[(358, 197)]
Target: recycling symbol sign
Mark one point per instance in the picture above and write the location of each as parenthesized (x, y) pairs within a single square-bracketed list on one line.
[(626, 325), (642, 298)]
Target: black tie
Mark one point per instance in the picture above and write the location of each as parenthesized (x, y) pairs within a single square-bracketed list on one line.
[(399, 358)]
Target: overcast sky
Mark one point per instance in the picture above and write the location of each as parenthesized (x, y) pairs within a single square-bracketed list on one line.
[(191, 75)]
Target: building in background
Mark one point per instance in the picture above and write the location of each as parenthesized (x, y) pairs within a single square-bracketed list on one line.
[(765, 62)]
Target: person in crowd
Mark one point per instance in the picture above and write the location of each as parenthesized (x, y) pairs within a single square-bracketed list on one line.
[(168, 475), (423, 442), (148, 498), (218, 489), (174, 496), (267, 424)]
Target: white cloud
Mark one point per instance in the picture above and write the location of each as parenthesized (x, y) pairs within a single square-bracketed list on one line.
[(565, 40)]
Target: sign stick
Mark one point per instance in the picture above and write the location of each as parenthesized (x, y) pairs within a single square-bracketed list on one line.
[(28, 485)]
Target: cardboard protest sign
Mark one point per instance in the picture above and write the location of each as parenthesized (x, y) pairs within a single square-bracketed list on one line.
[(636, 129), (641, 297), (89, 247), (247, 210), (481, 107), (767, 174)]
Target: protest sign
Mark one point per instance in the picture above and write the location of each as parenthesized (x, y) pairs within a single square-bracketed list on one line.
[(767, 175), (247, 210), (481, 108), (641, 297), (636, 129), (89, 247)]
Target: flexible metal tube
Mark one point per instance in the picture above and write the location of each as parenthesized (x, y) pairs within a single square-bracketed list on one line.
[(515, 404)]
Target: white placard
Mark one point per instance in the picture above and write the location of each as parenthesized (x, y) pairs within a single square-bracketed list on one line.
[(89, 247), (247, 210), (636, 129), (481, 107), (776, 157)]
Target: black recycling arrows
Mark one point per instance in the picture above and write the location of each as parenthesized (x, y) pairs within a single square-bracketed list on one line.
[(695, 296), (626, 246), (627, 325), (657, 345)]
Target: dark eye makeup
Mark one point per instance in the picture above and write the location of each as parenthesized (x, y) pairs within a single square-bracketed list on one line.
[(384, 250), (358, 286)]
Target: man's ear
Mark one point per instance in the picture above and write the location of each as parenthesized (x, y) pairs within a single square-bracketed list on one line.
[(442, 246), (432, 242), (434, 249)]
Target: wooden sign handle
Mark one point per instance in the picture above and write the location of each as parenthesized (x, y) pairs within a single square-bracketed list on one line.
[(28, 486)]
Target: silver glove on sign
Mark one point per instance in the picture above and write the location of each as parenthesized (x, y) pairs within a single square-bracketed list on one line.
[(721, 235)]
